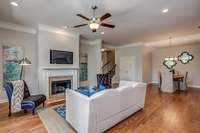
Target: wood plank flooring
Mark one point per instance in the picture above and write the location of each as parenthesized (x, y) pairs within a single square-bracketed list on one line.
[(163, 113)]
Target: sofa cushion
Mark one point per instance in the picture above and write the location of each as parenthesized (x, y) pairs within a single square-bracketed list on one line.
[(127, 83), (106, 104), (91, 91)]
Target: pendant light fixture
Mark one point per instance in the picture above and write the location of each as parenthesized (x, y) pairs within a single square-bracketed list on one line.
[(170, 58)]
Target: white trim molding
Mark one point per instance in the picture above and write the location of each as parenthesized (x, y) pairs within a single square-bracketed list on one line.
[(56, 30), (91, 42), (176, 41), (16, 27), (137, 44), (194, 86)]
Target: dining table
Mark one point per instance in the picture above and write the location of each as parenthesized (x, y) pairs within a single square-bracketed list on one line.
[(178, 79)]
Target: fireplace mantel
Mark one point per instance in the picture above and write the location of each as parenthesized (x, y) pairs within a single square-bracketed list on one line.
[(59, 68), (48, 72)]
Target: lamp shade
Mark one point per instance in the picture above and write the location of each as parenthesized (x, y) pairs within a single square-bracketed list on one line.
[(24, 61)]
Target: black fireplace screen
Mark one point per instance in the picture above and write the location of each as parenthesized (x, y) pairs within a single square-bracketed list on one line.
[(60, 86)]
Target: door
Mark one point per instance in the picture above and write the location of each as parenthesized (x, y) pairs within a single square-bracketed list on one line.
[(128, 68)]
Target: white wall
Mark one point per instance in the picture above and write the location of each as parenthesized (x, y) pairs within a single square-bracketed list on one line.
[(50, 39), (131, 51), (159, 55), (93, 50), (29, 43)]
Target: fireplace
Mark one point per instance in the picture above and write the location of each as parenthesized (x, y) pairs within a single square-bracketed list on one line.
[(58, 85)]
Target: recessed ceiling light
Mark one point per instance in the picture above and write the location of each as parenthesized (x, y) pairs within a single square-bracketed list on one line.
[(14, 3), (165, 10), (102, 33)]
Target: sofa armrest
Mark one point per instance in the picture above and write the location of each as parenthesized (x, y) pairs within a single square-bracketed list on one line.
[(79, 112), (142, 92)]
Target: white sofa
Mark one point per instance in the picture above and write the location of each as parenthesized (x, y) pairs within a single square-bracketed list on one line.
[(104, 109)]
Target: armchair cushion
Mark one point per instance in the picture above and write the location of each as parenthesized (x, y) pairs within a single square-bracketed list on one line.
[(33, 101)]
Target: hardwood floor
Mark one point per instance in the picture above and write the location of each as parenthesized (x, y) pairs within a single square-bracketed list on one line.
[(163, 113)]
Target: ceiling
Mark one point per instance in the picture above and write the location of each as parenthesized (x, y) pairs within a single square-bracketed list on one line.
[(135, 20)]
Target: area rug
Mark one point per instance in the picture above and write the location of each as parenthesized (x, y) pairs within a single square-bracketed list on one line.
[(61, 110), (55, 122)]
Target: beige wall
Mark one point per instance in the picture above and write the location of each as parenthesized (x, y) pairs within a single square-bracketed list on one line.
[(143, 59), (147, 65), (29, 43), (131, 51), (159, 55)]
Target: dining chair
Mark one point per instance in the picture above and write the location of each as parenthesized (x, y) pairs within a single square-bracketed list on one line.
[(160, 80), (167, 82), (184, 84)]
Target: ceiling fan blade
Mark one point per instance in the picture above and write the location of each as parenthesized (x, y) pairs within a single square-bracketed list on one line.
[(107, 15), (77, 26), (108, 25), (79, 15)]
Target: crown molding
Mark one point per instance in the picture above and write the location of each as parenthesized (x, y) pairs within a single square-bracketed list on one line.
[(108, 46), (137, 44), (16, 27), (91, 42), (48, 28), (175, 41)]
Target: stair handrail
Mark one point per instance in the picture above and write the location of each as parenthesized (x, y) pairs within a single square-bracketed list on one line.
[(107, 63)]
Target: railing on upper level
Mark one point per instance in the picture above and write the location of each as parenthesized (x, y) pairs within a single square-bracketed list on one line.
[(107, 77)]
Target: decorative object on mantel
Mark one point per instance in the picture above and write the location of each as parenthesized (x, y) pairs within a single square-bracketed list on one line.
[(185, 57), (24, 62)]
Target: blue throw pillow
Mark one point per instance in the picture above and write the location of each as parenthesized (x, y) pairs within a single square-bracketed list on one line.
[(91, 91), (102, 87)]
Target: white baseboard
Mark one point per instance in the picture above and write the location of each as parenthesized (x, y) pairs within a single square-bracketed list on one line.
[(194, 86), (152, 83), (3, 101)]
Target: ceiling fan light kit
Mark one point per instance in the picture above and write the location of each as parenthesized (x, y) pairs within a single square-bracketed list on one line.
[(95, 22)]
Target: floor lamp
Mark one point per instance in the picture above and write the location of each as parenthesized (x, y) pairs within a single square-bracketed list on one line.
[(24, 62)]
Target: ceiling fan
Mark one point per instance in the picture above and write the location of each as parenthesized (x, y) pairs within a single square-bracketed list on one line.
[(95, 22)]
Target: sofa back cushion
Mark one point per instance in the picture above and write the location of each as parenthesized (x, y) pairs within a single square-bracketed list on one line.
[(107, 104), (127, 83)]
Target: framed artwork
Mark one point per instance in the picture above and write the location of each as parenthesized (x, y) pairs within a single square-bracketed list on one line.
[(83, 75), (170, 64), (185, 57), (11, 68)]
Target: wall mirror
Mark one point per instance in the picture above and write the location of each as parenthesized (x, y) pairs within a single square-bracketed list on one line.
[(185, 57)]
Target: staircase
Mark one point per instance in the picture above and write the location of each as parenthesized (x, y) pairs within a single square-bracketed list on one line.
[(108, 72)]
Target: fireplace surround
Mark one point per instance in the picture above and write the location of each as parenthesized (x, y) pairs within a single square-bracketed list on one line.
[(58, 86), (53, 74)]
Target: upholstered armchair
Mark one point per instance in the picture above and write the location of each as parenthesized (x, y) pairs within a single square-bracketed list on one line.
[(30, 102), (102, 79)]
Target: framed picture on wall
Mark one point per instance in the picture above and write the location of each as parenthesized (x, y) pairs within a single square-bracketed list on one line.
[(11, 68), (83, 67)]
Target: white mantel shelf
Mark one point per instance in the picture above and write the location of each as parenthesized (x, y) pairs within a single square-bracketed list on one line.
[(59, 68)]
